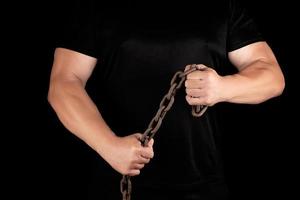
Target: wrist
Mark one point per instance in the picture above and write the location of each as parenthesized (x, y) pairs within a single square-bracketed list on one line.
[(226, 92), (108, 138)]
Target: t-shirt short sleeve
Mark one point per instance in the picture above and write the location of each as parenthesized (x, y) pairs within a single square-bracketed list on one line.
[(78, 30), (242, 29)]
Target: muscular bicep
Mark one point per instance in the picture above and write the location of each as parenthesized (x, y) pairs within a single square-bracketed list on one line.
[(70, 65), (245, 56)]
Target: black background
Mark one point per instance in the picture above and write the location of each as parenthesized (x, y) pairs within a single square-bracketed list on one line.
[(43, 160)]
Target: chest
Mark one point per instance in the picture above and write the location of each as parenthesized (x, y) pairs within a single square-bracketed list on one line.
[(157, 34)]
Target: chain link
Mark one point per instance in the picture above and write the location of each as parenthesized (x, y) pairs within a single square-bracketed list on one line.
[(164, 106)]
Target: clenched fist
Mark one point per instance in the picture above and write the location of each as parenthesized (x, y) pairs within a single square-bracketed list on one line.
[(127, 155), (203, 87)]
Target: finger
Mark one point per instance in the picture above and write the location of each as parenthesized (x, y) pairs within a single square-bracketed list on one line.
[(198, 75), (134, 172), (138, 165), (150, 143), (201, 67), (142, 160), (196, 101), (195, 92), (194, 84), (187, 67), (138, 136), (147, 152)]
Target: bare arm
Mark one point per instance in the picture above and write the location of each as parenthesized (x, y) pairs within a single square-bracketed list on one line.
[(69, 99), (259, 79), (78, 113)]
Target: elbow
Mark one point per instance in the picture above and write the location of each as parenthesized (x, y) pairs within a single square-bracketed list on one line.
[(274, 87), (280, 88), (53, 95), (278, 85), (60, 90)]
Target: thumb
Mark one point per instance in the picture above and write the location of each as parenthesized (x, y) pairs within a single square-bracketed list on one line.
[(138, 136), (187, 67), (201, 67)]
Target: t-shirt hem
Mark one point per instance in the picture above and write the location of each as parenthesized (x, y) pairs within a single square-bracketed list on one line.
[(245, 43), (81, 50)]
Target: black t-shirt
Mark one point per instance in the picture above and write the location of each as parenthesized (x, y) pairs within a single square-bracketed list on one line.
[(139, 48)]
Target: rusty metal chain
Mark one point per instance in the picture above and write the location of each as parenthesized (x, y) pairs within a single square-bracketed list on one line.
[(164, 106)]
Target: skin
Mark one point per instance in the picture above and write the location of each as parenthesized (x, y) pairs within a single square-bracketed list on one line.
[(259, 78)]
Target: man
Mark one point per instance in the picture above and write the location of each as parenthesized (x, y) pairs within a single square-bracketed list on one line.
[(137, 55)]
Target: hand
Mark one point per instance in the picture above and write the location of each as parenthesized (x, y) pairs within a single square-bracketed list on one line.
[(203, 87), (127, 155)]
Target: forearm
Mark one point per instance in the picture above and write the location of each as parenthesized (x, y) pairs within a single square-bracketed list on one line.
[(256, 83), (79, 114)]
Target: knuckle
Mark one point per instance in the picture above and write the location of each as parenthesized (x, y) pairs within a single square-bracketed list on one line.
[(201, 66), (186, 67), (186, 83), (189, 76), (188, 100), (187, 90), (190, 92)]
